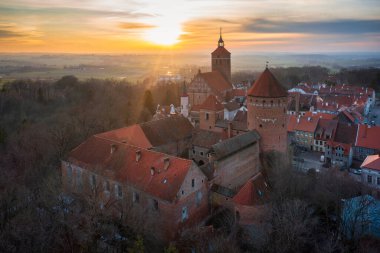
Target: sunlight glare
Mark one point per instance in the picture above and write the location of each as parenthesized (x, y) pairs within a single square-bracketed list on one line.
[(165, 34)]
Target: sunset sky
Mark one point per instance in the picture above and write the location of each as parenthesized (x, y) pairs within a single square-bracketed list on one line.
[(142, 26)]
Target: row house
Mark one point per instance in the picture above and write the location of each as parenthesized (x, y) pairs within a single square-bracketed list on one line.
[(324, 132), (371, 171), (301, 129), (165, 193), (339, 151), (367, 141)]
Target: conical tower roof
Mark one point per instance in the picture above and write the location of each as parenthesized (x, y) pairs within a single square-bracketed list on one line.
[(267, 86)]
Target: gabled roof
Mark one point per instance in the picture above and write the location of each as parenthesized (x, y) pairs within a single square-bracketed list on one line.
[(205, 139), (345, 133), (132, 135), (345, 146), (371, 162), (254, 192), (241, 116), (303, 123), (166, 130), (368, 137), (211, 104), (216, 81), (232, 106), (234, 144), (120, 165), (326, 127), (152, 133), (267, 86)]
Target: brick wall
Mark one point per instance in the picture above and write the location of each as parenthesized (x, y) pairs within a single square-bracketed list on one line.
[(268, 117)]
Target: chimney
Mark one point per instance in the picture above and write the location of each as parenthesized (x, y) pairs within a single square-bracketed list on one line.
[(113, 148), (229, 130), (166, 163), (297, 103), (138, 155), (309, 119)]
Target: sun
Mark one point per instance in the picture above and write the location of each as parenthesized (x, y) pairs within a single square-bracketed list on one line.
[(166, 34)]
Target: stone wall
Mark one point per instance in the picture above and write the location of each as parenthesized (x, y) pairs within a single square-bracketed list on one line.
[(235, 170)]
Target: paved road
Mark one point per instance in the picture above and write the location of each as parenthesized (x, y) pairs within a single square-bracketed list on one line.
[(308, 160)]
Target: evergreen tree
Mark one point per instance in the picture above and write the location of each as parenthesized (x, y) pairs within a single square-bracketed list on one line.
[(148, 102)]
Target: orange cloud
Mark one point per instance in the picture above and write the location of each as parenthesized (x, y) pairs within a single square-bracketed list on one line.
[(132, 25)]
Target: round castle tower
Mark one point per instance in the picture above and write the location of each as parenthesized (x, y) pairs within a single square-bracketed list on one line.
[(267, 105)]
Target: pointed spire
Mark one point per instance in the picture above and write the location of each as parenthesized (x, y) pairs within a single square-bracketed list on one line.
[(266, 66), (220, 42)]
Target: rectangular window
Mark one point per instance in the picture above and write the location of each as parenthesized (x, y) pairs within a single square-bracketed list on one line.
[(184, 213), (155, 204), (107, 186), (93, 181), (118, 191), (207, 116), (136, 197), (79, 180), (198, 198), (369, 179), (69, 173), (192, 183), (378, 181)]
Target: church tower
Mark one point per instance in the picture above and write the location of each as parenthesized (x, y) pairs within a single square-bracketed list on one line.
[(184, 102), (221, 59), (266, 104)]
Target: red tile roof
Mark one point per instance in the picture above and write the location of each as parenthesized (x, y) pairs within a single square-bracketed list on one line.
[(267, 86), (95, 155), (132, 135), (345, 133), (211, 104), (204, 138), (346, 147), (303, 123), (152, 133), (326, 129), (216, 81), (254, 192), (167, 130), (371, 162), (368, 137)]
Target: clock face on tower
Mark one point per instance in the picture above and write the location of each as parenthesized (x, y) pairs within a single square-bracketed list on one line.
[(265, 120)]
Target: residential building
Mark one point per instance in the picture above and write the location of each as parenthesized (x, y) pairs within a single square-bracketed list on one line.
[(367, 141), (371, 171), (324, 132), (339, 151), (303, 128)]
